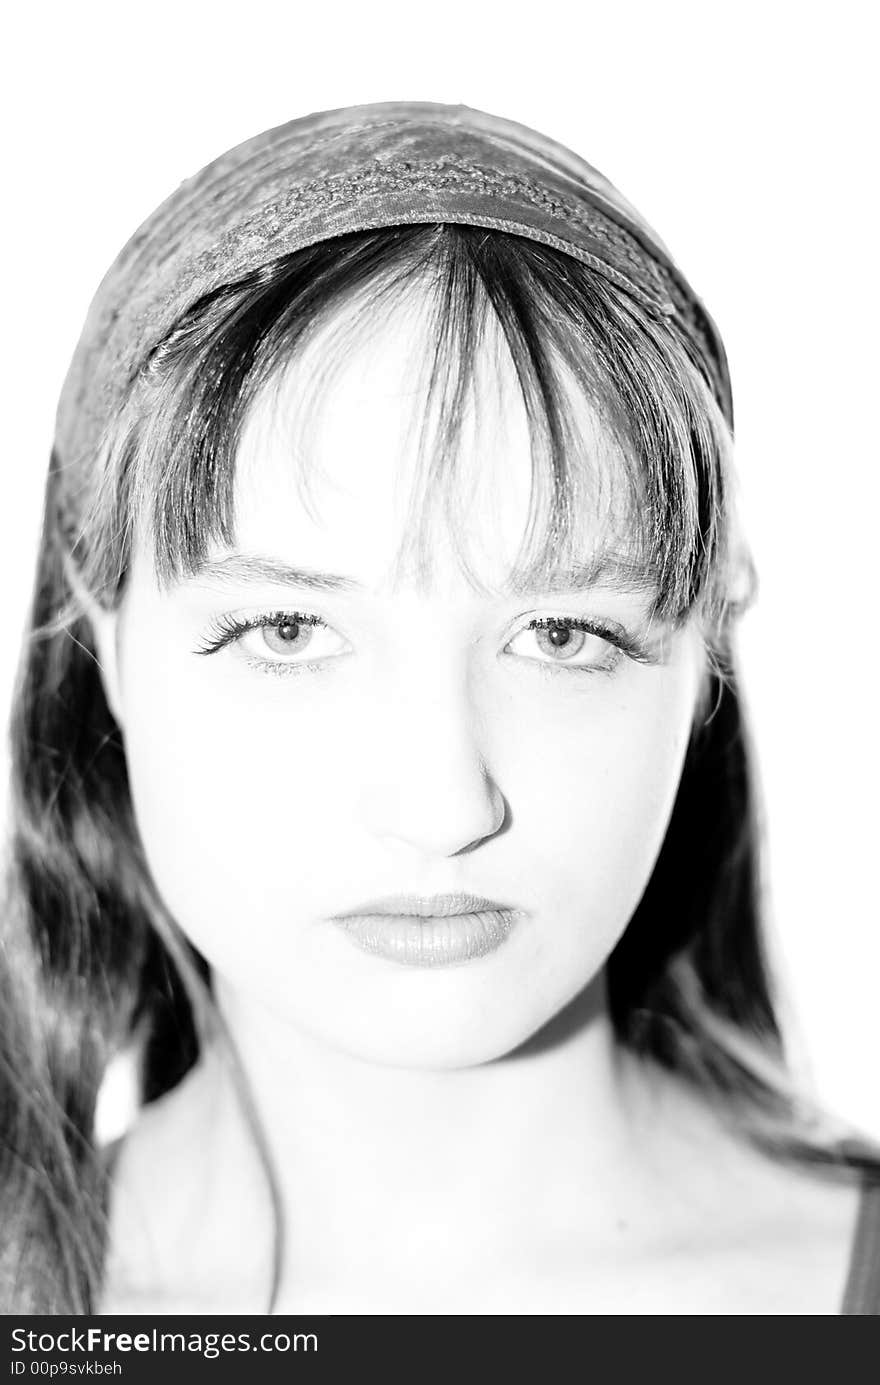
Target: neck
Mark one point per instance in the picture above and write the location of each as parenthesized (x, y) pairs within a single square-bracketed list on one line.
[(390, 1165)]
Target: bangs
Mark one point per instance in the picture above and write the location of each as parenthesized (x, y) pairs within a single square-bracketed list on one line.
[(661, 490)]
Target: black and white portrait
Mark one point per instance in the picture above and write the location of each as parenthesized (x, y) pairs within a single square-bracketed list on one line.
[(439, 776)]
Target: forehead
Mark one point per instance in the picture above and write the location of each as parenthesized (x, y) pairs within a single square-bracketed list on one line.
[(342, 452)]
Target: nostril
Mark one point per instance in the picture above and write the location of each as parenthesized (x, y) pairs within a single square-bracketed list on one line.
[(441, 816), (498, 820)]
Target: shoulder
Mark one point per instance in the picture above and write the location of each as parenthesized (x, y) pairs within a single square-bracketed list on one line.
[(759, 1233), (167, 1252), (790, 1250)]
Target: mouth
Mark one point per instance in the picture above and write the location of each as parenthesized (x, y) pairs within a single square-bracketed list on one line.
[(429, 931)]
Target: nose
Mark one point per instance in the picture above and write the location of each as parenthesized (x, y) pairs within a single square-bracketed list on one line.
[(429, 786)]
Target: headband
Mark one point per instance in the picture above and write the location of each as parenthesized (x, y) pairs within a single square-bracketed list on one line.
[(361, 168)]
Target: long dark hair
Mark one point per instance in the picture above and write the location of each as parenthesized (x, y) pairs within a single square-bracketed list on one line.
[(90, 956)]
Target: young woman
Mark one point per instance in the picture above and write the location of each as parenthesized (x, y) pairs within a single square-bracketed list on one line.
[(381, 785)]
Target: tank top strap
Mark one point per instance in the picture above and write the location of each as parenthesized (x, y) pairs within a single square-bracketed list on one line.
[(862, 1293)]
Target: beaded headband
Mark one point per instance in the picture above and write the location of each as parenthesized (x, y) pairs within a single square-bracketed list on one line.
[(360, 168)]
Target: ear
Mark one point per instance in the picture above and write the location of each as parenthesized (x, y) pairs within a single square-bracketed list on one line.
[(104, 626), (105, 634), (706, 688)]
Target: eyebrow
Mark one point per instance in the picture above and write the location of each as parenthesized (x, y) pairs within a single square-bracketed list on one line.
[(249, 568), (608, 570)]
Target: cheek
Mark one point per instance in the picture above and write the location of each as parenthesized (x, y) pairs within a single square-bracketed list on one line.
[(593, 804), (238, 802), (246, 792), (603, 793)]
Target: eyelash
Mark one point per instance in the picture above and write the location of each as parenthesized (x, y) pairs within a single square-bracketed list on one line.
[(227, 629), (614, 635)]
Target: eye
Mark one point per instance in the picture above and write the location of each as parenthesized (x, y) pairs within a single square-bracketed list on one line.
[(278, 639), (567, 640)]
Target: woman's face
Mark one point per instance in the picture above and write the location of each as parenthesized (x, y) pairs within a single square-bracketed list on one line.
[(396, 734)]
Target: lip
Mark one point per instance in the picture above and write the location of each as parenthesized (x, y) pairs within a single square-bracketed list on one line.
[(429, 930)]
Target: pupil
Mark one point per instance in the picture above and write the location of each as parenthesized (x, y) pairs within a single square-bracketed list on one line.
[(287, 636), (559, 635)]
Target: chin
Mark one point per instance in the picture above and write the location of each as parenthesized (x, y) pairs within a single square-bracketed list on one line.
[(417, 1054), (442, 1047)]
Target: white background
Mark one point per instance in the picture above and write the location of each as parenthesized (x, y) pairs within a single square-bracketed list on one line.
[(746, 133)]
